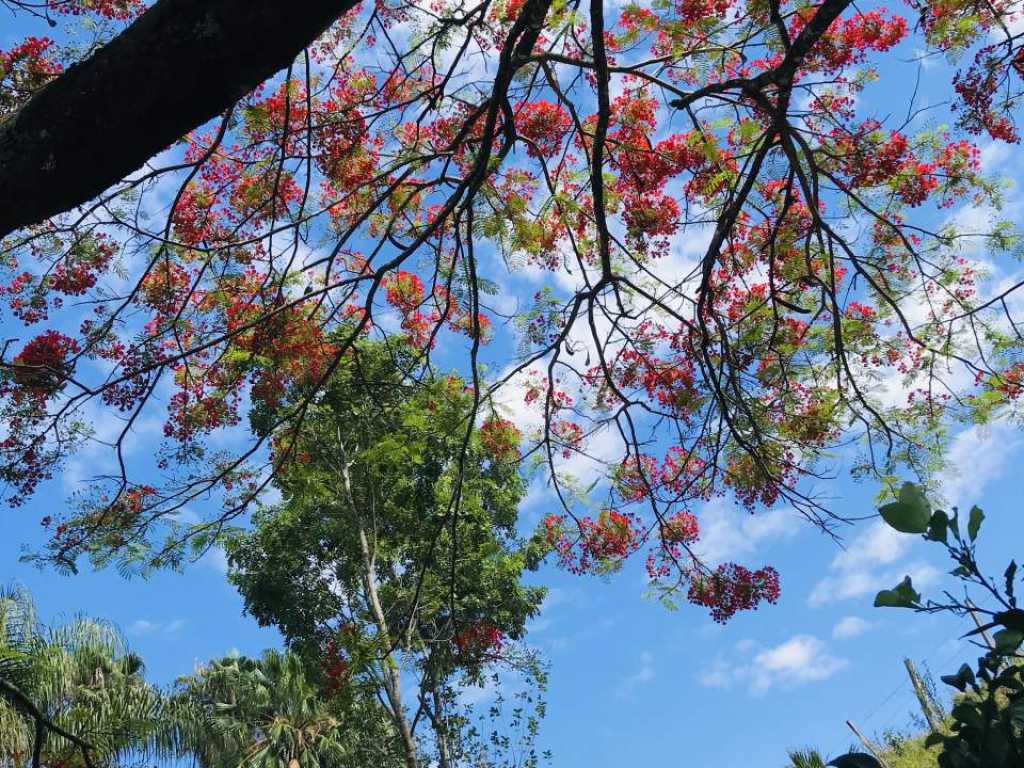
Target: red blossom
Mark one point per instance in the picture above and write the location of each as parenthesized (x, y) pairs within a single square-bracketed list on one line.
[(544, 125), (24, 69), (479, 640), (731, 588), (43, 365), (500, 439)]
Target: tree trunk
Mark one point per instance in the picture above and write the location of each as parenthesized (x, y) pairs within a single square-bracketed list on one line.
[(180, 64), (390, 674)]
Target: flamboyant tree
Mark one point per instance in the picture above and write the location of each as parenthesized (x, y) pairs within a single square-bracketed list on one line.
[(737, 265)]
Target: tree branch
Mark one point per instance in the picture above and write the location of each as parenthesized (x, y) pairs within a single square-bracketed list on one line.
[(180, 64)]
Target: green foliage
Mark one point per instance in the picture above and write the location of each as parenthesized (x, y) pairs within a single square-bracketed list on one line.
[(911, 752), (384, 473), (910, 513), (83, 679), (902, 596), (394, 553), (806, 758), (812, 758), (986, 728), (855, 760), (238, 712)]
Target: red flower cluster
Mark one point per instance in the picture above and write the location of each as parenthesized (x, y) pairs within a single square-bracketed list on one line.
[(42, 367), (645, 169), (870, 160), (731, 588), (544, 125), (977, 89), (691, 12), (681, 528), (404, 291), (500, 439), (1010, 382), (25, 69), (670, 555), (600, 546), (82, 265), (336, 668), (567, 433), (110, 9), (479, 640), (165, 287), (27, 298), (848, 41)]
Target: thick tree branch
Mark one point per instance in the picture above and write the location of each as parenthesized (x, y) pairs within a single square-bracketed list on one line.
[(180, 64)]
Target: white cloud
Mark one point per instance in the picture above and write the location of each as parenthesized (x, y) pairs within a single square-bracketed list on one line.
[(799, 660), (644, 674), (878, 545), (994, 155), (538, 624), (858, 570), (850, 626), (142, 627), (474, 694), (727, 531), (557, 596), (924, 58), (976, 457), (216, 559), (554, 598), (854, 584)]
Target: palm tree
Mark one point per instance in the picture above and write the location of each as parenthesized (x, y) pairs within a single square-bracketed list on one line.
[(806, 758), (71, 685), (238, 712)]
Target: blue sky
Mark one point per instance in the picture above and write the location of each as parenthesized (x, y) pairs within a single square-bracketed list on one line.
[(632, 683)]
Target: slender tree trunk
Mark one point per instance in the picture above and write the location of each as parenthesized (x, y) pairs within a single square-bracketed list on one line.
[(444, 759), (391, 675), (180, 64)]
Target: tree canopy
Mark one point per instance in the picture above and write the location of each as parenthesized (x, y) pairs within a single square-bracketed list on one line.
[(271, 712), (73, 694), (394, 552), (735, 268)]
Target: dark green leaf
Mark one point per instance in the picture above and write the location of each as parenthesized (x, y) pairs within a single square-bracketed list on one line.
[(910, 513), (934, 738), (980, 629), (968, 713), (855, 760), (1010, 574), (938, 526), (1016, 713), (974, 524), (902, 596), (997, 747), (960, 681), (1008, 640), (1012, 619)]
